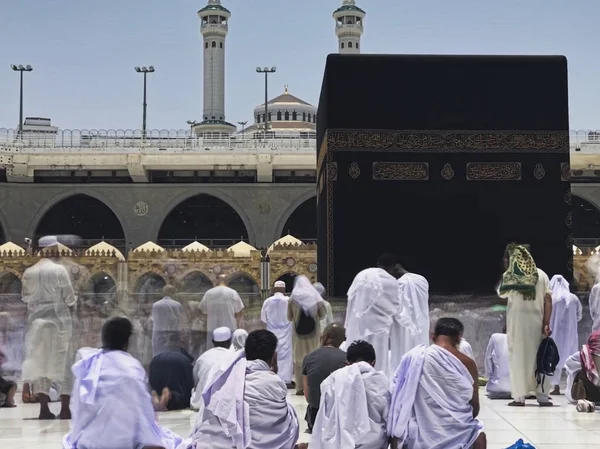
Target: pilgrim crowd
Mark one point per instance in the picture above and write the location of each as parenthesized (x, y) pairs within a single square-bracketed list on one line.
[(385, 377)]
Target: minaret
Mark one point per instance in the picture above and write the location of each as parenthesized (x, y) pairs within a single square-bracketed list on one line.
[(214, 19), (349, 26)]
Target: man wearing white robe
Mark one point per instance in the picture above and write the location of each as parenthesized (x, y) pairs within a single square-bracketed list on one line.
[(223, 308), (167, 323), (497, 367), (209, 363), (355, 403), (528, 322), (566, 313), (328, 318), (246, 404), (413, 294), (435, 399), (372, 305), (112, 407), (49, 353), (274, 315), (595, 307)]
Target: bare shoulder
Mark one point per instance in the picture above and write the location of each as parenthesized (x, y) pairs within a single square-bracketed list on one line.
[(469, 364)]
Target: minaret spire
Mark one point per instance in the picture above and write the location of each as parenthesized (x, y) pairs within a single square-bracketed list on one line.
[(349, 26)]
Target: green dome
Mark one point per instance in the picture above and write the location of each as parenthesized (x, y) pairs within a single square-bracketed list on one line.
[(349, 8), (215, 8)]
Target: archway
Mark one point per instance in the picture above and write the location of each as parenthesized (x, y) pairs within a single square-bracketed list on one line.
[(586, 219), (100, 289), (289, 279), (193, 286), (85, 217), (246, 288), (302, 223), (203, 218), (148, 289)]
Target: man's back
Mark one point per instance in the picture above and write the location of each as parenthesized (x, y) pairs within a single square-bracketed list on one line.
[(317, 367), (221, 304), (167, 315), (274, 312), (204, 369), (172, 370)]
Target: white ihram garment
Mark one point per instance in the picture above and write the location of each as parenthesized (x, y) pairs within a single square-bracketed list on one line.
[(524, 322), (595, 307), (355, 402), (246, 407), (497, 367), (430, 407), (48, 293), (207, 365), (274, 315), (167, 324), (566, 313), (572, 366), (413, 294), (111, 405), (328, 318), (372, 305), (220, 305)]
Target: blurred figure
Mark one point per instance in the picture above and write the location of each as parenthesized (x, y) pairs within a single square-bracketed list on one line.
[(222, 306), (305, 311), (566, 313), (238, 340), (528, 322), (464, 346), (595, 307), (111, 405), (8, 389), (198, 335), (48, 293), (274, 315), (208, 364), (406, 334), (355, 404), (496, 367), (583, 381), (372, 305), (167, 323), (328, 318), (171, 376)]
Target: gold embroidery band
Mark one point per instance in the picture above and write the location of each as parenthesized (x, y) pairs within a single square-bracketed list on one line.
[(493, 171), (400, 171)]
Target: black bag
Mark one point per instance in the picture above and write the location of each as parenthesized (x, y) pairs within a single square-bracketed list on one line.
[(306, 324), (547, 360)]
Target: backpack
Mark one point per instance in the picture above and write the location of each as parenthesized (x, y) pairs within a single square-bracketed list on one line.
[(547, 360), (306, 324)]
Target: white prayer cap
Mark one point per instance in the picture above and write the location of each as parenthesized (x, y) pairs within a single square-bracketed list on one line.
[(47, 241), (279, 284), (221, 334)]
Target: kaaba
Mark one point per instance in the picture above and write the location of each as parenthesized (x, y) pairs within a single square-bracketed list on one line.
[(442, 161)]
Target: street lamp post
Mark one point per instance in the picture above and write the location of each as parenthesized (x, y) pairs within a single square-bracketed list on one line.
[(243, 125), (144, 71), (21, 69), (266, 71)]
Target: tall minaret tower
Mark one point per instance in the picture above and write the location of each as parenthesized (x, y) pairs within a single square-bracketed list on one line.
[(349, 26), (214, 19)]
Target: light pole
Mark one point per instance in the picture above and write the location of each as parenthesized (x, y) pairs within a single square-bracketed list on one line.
[(266, 71), (21, 69), (145, 71), (243, 125)]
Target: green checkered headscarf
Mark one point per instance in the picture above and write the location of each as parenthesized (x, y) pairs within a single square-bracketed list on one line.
[(522, 274)]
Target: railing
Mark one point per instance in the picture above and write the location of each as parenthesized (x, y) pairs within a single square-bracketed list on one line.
[(134, 141)]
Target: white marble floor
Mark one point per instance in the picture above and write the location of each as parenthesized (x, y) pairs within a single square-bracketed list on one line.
[(559, 427)]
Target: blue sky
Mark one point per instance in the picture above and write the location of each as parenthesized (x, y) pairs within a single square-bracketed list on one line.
[(83, 51)]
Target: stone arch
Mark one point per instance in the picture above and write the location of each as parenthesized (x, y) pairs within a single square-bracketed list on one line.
[(59, 199), (288, 277), (280, 230), (586, 216), (10, 283), (193, 284), (216, 195), (246, 285), (148, 287), (99, 288)]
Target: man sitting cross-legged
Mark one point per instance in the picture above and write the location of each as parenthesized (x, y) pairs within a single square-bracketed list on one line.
[(435, 398), (111, 404)]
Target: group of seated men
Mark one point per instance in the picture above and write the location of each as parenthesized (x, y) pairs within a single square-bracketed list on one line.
[(433, 401)]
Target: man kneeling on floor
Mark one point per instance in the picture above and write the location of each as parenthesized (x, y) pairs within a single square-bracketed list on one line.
[(246, 402), (435, 396), (583, 381), (111, 404)]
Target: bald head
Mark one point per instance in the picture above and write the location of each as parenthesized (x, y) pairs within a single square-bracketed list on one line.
[(334, 335), (169, 290)]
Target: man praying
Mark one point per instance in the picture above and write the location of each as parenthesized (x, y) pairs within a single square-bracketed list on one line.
[(223, 307), (497, 367), (274, 315), (318, 365), (167, 323), (566, 313), (208, 364), (528, 322), (355, 403), (246, 403), (583, 380), (435, 396), (306, 309), (111, 404), (328, 318), (49, 352)]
